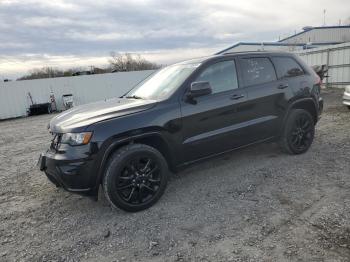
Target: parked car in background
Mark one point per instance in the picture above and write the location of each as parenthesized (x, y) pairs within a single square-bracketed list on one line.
[(182, 114), (346, 97)]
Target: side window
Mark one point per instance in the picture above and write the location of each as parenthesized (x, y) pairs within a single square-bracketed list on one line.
[(222, 76), (257, 70), (287, 67)]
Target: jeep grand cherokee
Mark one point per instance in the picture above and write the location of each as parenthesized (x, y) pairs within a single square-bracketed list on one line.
[(181, 114)]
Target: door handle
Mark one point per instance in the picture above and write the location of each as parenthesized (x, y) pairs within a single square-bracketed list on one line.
[(237, 96), (282, 86)]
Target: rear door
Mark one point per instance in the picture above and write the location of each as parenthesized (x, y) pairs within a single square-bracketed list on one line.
[(267, 96), (213, 123)]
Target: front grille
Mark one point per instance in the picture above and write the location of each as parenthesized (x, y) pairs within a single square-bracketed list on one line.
[(55, 141)]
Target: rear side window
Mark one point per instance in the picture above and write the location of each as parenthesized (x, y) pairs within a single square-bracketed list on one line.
[(221, 76), (257, 70), (287, 67)]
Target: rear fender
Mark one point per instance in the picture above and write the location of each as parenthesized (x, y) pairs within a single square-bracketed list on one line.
[(307, 104)]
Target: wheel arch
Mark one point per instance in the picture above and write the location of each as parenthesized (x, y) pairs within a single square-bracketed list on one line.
[(307, 104), (153, 139)]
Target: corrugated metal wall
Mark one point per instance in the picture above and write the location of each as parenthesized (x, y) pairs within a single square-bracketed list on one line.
[(14, 99), (337, 57), (321, 35)]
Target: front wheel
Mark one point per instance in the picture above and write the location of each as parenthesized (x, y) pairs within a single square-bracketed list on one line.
[(298, 132), (135, 178)]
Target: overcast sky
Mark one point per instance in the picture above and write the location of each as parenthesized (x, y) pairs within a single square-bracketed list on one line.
[(62, 33)]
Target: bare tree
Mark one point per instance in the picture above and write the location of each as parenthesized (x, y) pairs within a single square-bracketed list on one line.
[(128, 62), (117, 63), (45, 72), (50, 72)]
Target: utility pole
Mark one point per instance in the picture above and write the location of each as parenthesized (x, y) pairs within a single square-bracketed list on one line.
[(324, 17)]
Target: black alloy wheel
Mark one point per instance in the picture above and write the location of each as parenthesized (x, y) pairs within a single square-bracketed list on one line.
[(135, 178), (302, 133), (298, 133), (139, 180)]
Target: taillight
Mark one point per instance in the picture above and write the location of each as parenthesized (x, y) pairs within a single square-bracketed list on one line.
[(318, 80), (318, 83)]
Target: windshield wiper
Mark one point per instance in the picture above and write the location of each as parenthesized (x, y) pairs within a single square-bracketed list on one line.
[(134, 97)]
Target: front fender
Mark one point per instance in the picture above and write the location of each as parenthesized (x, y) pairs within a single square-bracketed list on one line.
[(114, 143)]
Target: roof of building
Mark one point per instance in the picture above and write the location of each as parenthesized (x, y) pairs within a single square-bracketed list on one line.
[(308, 29), (270, 44)]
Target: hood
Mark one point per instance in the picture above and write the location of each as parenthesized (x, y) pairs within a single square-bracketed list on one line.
[(77, 118)]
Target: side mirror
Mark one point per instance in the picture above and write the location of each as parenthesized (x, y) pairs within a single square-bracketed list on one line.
[(199, 89)]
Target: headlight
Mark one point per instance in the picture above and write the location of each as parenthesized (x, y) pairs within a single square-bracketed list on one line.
[(75, 139)]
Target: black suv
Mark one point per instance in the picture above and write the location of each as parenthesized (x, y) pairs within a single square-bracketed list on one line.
[(181, 114)]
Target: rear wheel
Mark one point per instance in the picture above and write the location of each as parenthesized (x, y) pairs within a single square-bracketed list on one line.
[(298, 132), (135, 178), (348, 107)]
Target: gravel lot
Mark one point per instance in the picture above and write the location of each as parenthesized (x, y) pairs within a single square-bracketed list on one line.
[(255, 204)]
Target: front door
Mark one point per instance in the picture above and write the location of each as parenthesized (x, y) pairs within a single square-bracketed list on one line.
[(215, 122)]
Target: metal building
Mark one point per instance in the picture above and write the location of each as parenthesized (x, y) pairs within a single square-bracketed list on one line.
[(336, 57), (327, 45), (266, 46), (310, 37), (321, 35)]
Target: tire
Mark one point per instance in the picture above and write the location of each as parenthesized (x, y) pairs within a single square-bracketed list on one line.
[(348, 107), (298, 132), (135, 178)]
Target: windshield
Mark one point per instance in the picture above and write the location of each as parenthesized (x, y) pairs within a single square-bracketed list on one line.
[(163, 83)]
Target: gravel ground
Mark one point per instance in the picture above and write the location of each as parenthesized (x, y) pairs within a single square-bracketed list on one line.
[(256, 204)]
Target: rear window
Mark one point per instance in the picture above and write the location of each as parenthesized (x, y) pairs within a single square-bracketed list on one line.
[(287, 67), (257, 70)]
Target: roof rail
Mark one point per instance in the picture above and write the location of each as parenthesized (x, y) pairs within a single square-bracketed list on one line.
[(244, 52)]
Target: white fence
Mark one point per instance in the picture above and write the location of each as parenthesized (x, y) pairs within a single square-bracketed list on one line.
[(14, 99), (337, 57)]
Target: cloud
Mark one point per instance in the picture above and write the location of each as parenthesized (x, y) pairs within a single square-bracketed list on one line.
[(89, 29)]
